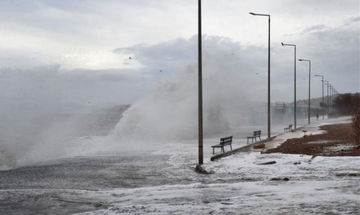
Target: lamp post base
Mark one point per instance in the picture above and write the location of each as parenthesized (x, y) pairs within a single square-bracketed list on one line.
[(199, 169)]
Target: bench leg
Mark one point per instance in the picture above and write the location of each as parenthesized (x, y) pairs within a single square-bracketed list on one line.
[(231, 147), (213, 150), (222, 149)]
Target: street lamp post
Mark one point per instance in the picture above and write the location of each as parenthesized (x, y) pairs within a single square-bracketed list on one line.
[(268, 122), (293, 45), (330, 93), (331, 96), (322, 83), (309, 61), (200, 105), (327, 83), (334, 94)]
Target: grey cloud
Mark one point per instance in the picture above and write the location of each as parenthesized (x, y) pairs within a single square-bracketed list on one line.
[(174, 55), (352, 20), (334, 52), (306, 7), (355, 19), (164, 55), (313, 28), (249, 62)]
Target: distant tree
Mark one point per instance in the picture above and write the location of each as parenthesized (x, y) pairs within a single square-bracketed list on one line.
[(347, 104), (356, 126), (323, 104)]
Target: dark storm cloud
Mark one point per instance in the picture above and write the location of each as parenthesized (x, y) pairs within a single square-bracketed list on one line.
[(333, 50), (336, 54)]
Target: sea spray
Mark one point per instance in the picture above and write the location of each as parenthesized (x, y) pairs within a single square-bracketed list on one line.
[(171, 112), (234, 95), (46, 128)]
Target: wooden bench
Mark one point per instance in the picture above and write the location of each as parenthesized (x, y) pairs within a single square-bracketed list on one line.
[(223, 142), (288, 128), (255, 135)]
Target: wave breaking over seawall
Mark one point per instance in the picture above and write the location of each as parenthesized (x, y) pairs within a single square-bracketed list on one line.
[(171, 112)]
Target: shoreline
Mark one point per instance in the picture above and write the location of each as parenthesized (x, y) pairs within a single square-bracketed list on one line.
[(336, 140)]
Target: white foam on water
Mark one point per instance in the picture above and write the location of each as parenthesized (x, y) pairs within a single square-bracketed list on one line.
[(313, 188)]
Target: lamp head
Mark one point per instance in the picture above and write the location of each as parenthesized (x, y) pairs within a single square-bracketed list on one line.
[(252, 13), (282, 43)]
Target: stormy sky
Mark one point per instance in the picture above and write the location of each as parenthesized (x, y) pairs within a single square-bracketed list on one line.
[(92, 52)]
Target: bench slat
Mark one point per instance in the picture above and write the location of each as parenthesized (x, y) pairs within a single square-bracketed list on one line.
[(256, 134), (224, 141)]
